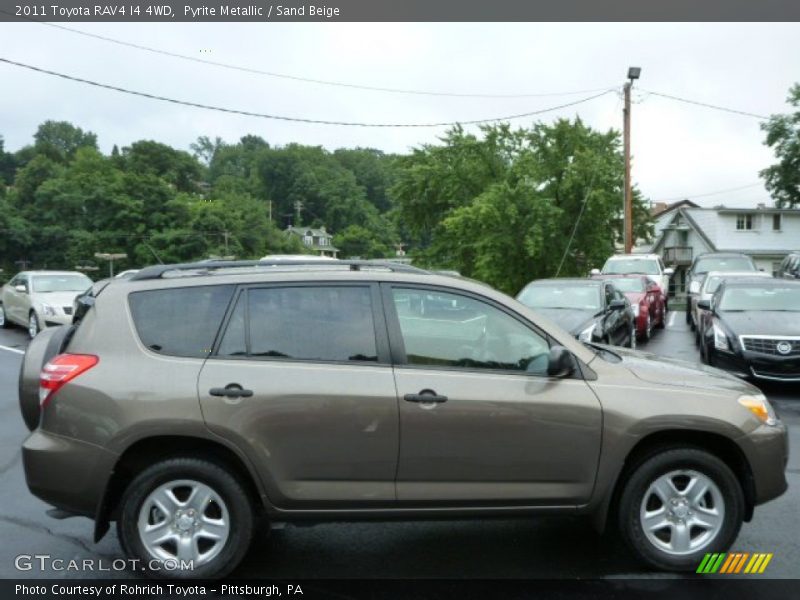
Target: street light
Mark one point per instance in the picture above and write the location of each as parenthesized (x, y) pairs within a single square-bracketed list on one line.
[(110, 258), (634, 72)]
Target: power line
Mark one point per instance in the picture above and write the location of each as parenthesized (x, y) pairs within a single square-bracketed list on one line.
[(297, 119), (706, 105), (690, 196), (290, 77)]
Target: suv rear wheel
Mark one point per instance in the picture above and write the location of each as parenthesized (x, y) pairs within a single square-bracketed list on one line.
[(183, 510), (4, 324), (679, 505)]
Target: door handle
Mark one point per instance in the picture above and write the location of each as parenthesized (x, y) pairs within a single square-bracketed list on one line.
[(425, 397), (232, 390)]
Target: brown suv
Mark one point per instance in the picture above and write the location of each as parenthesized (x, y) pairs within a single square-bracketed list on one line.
[(192, 403)]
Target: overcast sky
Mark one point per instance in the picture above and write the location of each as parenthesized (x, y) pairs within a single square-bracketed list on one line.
[(679, 150)]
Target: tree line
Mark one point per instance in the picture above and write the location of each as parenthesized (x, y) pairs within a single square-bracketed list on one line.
[(502, 205)]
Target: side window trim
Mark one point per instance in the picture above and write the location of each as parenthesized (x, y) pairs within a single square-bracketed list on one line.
[(378, 322), (397, 345)]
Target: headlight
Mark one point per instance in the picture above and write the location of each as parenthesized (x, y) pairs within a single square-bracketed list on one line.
[(760, 407), (635, 308), (48, 311), (586, 334), (720, 339)]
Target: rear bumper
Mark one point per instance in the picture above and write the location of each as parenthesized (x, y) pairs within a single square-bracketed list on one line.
[(767, 450), (66, 473)]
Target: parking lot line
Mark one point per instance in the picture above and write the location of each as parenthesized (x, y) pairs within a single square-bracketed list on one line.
[(671, 320), (17, 350)]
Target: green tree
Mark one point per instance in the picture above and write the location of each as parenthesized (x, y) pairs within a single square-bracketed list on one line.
[(60, 140), (176, 167), (505, 208), (783, 136)]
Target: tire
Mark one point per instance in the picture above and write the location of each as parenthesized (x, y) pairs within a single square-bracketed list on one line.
[(4, 322), (228, 514), (662, 322), (34, 327), (648, 329), (632, 336), (691, 527), (688, 315)]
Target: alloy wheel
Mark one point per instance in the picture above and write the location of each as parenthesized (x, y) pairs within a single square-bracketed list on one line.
[(682, 512), (2, 316), (184, 520)]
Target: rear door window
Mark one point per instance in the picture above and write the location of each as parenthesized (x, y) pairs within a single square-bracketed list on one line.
[(180, 321), (320, 323)]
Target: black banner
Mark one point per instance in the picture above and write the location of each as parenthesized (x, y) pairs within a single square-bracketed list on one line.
[(667, 588), (398, 10)]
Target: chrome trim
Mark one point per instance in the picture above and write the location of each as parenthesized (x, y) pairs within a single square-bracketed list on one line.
[(770, 378)]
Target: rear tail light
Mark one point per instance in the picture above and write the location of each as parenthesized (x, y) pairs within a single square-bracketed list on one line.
[(60, 370)]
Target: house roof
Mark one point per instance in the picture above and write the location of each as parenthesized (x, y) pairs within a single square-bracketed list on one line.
[(309, 231), (662, 207)]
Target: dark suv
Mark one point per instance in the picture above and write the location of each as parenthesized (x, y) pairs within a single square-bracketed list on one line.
[(195, 404)]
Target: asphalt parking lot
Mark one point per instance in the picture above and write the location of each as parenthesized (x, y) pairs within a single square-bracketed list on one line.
[(535, 548)]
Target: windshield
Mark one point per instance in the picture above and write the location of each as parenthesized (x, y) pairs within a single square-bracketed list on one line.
[(731, 263), (61, 283), (581, 297), (767, 298), (628, 284), (633, 265)]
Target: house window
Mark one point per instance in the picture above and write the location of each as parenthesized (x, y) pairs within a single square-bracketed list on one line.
[(323, 241), (308, 240), (776, 222), (744, 222)]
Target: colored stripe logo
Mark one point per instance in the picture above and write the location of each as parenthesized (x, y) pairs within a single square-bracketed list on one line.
[(734, 563)]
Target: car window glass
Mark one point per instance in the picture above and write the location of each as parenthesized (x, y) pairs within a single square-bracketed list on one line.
[(233, 341), (450, 330), (609, 295), (331, 323), (180, 321), (624, 266), (567, 295)]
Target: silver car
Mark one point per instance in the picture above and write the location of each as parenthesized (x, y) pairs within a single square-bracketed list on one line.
[(40, 299)]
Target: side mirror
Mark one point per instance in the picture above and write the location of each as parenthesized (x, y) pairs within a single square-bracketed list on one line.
[(560, 362), (594, 272), (21, 289), (617, 304), (704, 304), (694, 287), (669, 272)]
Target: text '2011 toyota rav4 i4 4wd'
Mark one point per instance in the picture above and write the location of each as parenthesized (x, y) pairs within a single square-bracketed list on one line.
[(192, 403)]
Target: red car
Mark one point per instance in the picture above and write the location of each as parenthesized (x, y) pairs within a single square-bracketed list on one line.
[(647, 301)]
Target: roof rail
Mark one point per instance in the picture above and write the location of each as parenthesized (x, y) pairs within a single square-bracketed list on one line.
[(208, 266)]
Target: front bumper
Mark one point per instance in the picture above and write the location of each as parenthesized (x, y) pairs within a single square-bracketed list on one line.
[(66, 473), (760, 366), (767, 451)]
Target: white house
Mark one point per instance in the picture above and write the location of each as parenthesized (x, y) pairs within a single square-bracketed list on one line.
[(684, 230)]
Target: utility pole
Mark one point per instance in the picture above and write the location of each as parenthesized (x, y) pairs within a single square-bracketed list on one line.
[(225, 234), (633, 73), (110, 258), (270, 211), (298, 207)]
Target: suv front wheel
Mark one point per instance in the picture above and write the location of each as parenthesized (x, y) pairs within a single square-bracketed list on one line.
[(678, 505), (186, 518)]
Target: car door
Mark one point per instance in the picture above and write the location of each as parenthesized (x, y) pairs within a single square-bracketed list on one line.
[(320, 416), (481, 422), (611, 318)]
